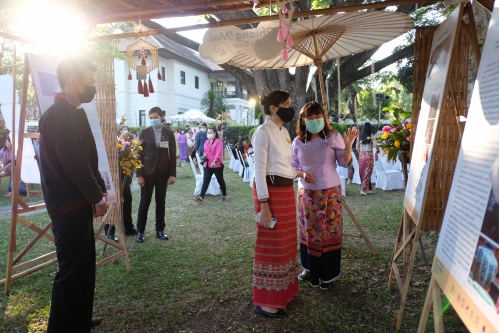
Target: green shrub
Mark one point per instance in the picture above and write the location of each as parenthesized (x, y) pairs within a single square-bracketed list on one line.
[(341, 128), (235, 132), (134, 130)]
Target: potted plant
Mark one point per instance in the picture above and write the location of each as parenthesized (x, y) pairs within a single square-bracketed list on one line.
[(395, 139)]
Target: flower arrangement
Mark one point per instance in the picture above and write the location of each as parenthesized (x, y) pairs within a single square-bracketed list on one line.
[(128, 155), (396, 138)]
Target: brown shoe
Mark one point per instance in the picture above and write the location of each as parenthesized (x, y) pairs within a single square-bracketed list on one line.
[(8, 195)]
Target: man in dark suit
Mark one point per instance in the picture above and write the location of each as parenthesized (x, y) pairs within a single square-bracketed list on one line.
[(74, 193), (158, 157)]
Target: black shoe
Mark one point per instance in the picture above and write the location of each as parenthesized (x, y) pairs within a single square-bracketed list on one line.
[(113, 238), (140, 237), (280, 314), (131, 232), (324, 286), (161, 235), (95, 321)]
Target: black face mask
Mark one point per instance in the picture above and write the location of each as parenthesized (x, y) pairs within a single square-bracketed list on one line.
[(88, 95), (286, 114)]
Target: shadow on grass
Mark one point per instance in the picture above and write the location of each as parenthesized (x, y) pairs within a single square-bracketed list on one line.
[(201, 279)]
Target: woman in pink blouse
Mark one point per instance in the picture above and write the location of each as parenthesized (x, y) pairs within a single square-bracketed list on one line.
[(316, 151), (213, 151)]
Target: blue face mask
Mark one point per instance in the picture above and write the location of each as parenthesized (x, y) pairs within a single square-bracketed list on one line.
[(315, 125), (155, 122)]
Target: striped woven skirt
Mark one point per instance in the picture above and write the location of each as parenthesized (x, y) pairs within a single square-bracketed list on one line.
[(275, 259), (320, 231)]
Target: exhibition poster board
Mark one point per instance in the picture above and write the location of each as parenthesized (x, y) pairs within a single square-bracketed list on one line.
[(466, 263), (432, 101)]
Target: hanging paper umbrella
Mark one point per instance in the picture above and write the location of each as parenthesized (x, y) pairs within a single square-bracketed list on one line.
[(329, 37)]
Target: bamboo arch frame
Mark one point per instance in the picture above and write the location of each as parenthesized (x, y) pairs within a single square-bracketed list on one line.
[(105, 101)]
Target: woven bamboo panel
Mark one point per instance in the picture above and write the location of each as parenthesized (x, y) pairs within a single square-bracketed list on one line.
[(423, 45), (106, 109), (448, 136)]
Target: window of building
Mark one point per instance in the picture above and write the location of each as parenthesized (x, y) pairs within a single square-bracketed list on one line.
[(183, 77), (219, 86), (139, 76), (197, 82), (163, 73), (211, 86), (142, 117)]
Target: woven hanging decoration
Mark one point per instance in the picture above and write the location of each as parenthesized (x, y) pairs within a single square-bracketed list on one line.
[(285, 17), (142, 57)]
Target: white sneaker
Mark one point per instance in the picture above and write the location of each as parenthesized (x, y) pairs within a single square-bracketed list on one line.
[(370, 191), (362, 193)]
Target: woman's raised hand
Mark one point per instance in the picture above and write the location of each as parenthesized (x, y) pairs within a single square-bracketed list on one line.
[(349, 136)]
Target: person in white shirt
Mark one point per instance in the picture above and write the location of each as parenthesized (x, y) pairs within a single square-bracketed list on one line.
[(275, 259)]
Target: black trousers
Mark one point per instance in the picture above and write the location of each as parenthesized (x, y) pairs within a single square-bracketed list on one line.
[(324, 268), (207, 177), (127, 212), (73, 288), (158, 183)]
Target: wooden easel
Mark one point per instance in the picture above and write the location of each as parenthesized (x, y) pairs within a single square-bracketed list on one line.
[(104, 80), (362, 233), (445, 149)]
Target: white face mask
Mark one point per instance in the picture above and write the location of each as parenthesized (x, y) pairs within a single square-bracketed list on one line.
[(210, 136), (203, 129), (125, 131)]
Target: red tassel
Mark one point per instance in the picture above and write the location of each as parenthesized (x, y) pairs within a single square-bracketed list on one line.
[(146, 90), (143, 62), (151, 89), (159, 75), (129, 75), (289, 41), (139, 87)]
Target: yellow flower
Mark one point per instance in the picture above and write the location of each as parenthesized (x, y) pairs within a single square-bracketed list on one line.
[(118, 145), (385, 136), (408, 126), (397, 144)]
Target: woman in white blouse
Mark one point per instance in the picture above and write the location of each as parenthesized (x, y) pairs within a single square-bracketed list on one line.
[(275, 260)]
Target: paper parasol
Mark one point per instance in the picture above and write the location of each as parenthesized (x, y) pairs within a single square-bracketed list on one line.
[(330, 37)]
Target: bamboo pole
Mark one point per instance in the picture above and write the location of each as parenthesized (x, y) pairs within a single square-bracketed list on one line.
[(318, 62), (162, 9)]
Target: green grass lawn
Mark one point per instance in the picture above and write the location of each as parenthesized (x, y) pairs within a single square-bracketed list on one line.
[(201, 279)]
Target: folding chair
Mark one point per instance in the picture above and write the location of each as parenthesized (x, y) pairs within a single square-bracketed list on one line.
[(232, 161), (213, 187), (244, 168), (251, 169), (356, 179), (388, 179)]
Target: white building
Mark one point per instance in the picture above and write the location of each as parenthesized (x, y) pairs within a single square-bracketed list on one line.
[(185, 78)]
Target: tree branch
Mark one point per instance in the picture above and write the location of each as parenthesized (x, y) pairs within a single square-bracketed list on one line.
[(398, 55)]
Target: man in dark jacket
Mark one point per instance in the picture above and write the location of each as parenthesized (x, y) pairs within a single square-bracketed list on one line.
[(158, 157), (201, 137), (74, 192)]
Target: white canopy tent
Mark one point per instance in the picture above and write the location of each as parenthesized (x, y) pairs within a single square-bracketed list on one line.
[(190, 116)]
